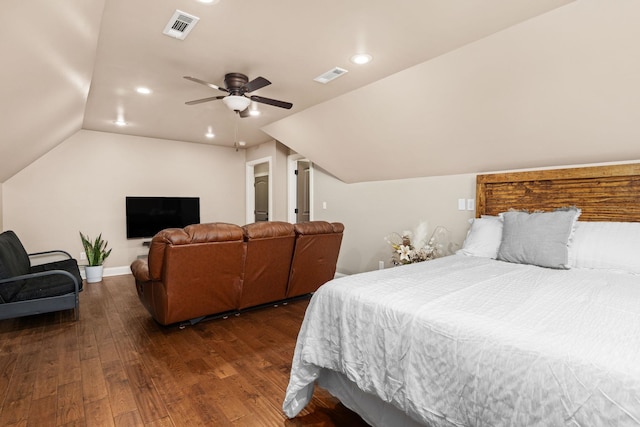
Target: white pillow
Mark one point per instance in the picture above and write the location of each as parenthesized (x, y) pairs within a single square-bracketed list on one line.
[(483, 238), (606, 246)]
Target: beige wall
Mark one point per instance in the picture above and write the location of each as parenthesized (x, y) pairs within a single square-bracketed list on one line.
[(372, 210), (81, 186)]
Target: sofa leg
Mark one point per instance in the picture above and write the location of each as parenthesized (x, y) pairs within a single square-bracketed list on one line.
[(191, 322)]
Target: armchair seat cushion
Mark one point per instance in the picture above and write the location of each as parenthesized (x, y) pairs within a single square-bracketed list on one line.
[(42, 286), (51, 285)]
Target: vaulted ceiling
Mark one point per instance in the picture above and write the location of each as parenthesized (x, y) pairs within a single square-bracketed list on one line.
[(76, 64)]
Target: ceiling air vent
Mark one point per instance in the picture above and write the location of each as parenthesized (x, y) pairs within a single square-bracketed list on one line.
[(330, 75), (180, 25)]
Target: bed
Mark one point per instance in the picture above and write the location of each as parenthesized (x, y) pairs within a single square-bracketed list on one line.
[(534, 322)]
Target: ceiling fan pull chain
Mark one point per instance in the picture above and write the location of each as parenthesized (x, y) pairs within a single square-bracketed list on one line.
[(235, 138)]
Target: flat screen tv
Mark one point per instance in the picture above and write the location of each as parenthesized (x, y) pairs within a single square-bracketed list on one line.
[(148, 215)]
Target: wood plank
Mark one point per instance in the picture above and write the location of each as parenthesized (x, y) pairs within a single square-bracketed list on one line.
[(119, 388), (150, 405), (69, 404), (128, 419), (116, 366), (42, 412), (98, 413), (603, 193), (93, 383)]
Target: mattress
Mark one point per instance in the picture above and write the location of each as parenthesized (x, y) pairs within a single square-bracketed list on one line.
[(466, 341)]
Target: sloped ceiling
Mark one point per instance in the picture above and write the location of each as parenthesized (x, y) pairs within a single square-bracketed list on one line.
[(76, 63), (48, 52), (560, 89)]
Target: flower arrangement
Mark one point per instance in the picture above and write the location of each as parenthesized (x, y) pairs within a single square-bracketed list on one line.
[(410, 247)]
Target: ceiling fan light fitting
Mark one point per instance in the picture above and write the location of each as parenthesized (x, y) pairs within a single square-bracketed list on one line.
[(236, 102)]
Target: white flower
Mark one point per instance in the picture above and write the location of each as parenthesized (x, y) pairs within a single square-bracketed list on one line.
[(405, 252)]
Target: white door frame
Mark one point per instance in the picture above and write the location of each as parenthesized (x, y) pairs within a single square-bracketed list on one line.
[(250, 202), (291, 187)]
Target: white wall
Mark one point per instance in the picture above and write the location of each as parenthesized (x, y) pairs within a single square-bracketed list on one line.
[(81, 185), (372, 210)]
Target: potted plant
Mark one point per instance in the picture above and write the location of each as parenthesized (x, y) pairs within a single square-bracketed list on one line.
[(96, 251)]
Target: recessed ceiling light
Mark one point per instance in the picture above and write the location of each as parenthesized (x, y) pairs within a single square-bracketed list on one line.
[(143, 90), (361, 58), (242, 143), (210, 135), (120, 122), (208, 1)]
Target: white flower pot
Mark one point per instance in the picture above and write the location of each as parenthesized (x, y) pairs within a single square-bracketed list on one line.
[(93, 273)]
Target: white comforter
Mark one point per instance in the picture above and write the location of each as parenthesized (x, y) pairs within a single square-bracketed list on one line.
[(464, 341)]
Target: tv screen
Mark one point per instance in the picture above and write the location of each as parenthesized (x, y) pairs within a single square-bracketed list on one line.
[(148, 215)]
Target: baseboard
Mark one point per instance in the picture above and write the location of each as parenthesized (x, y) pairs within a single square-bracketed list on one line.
[(119, 271), (110, 271)]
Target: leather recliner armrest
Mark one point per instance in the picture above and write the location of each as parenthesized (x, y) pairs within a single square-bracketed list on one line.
[(140, 270)]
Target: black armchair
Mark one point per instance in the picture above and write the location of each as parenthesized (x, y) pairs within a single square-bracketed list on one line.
[(42, 288)]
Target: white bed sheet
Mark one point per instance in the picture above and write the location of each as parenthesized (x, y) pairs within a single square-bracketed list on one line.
[(466, 341)]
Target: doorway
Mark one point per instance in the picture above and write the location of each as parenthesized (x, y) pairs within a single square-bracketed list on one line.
[(261, 197), (259, 190), (303, 201), (300, 182)]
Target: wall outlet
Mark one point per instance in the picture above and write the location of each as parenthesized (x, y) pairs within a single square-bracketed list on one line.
[(83, 255), (380, 265)]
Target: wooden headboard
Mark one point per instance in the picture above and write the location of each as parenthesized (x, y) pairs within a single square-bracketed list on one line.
[(604, 193)]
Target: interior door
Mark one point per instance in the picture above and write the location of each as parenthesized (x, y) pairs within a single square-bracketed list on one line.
[(303, 201), (261, 185)]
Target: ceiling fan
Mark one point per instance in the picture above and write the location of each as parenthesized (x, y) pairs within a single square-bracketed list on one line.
[(237, 85)]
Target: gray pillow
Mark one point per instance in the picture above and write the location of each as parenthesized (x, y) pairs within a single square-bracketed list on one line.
[(539, 238)]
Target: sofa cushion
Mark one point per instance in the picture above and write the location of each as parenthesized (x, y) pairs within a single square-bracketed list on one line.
[(315, 256), (214, 232), (14, 260), (267, 229), (68, 265), (268, 260), (41, 287)]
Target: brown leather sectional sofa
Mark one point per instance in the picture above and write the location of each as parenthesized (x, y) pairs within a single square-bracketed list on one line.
[(215, 268)]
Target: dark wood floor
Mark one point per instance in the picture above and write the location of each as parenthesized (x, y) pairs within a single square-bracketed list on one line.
[(117, 367)]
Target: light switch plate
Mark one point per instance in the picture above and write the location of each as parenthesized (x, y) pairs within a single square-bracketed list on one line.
[(470, 204)]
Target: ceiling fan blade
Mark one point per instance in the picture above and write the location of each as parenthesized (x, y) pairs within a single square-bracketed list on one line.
[(202, 82), (274, 102), (200, 101), (245, 112), (255, 84)]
